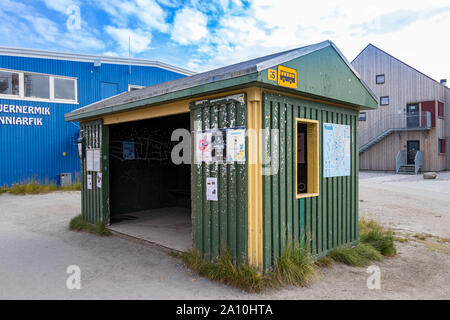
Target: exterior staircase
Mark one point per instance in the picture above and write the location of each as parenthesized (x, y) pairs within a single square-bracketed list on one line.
[(407, 169), (392, 123), (403, 168)]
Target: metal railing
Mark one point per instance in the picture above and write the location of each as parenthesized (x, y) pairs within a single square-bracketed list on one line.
[(396, 121), (418, 161), (400, 160)]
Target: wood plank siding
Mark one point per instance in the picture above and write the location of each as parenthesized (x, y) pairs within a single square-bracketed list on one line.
[(403, 85)]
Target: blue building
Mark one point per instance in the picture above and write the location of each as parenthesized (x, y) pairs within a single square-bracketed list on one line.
[(38, 87)]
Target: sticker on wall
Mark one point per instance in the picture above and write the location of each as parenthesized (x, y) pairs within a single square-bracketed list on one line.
[(89, 181), (97, 160), (90, 160), (211, 189), (235, 145), (203, 146), (272, 74), (336, 150), (287, 77), (99, 180), (128, 151)]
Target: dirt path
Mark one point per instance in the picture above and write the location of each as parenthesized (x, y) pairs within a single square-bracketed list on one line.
[(407, 203), (36, 247)]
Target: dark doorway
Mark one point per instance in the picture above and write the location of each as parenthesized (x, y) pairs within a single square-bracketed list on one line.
[(150, 195), (412, 115), (412, 147)]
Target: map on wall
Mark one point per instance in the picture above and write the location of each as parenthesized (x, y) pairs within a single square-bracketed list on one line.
[(336, 150)]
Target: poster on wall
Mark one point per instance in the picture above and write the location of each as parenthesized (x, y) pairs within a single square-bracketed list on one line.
[(211, 189), (89, 181), (218, 145), (96, 160), (203, 146), (128, 150), (90, 160), (235, 145), (336, 150), (99, 180)]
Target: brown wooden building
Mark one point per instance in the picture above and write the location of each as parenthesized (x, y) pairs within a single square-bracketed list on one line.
[(408, 133)]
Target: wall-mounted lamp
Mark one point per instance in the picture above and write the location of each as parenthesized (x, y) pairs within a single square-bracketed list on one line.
[(81, 148)]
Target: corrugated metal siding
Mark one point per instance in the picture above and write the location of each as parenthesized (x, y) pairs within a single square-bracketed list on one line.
[(220, 224), (324, 222), (28, 152), (92, 200), (36, 152)]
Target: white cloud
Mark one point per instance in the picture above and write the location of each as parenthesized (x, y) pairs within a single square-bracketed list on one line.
[(31, 29), (140, 40), (60, 5), (413, 30), (189, 26), (147, 14)]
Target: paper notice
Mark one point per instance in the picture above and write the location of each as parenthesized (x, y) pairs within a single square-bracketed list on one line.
[(211, 189)]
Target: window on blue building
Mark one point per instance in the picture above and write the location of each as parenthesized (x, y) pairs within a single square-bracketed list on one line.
[(37, 86), (64, 89), (9, 83)]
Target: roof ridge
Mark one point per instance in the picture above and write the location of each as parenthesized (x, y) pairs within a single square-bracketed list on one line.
[(409, 66), (58, 55)]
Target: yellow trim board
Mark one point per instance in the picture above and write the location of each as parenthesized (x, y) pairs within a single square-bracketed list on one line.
[(312, 158), (255, 217), (167, 109)]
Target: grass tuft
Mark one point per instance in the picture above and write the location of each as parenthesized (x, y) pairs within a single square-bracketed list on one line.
[(295, 267), (374, 234), (374, 242), (358, 256), (324, 262), (223, 270), (79, 224), (33, 187)]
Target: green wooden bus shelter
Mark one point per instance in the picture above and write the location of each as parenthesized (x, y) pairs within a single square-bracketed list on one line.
[(273, 153)]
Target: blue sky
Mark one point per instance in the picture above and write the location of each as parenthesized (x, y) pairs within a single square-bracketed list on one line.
[(201, 35)]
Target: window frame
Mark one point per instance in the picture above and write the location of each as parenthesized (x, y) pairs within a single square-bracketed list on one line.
[(12, 96), (379, 75), (51, 80), (440, 114), (365, 116), (440, 141), (384, 104), (135, 86), (313, 157)]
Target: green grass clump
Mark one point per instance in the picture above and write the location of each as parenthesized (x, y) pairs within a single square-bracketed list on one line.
[(374, 242), (33, 187), (324, 262), (295, 267), (222, 269), (79, 224), (374, 234), (358, 256)]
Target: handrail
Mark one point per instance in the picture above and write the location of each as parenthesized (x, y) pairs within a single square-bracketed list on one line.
[(418, 159), (399, 160), (395, 121)]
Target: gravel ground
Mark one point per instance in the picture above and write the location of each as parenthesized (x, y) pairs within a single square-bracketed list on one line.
[(36, 247)]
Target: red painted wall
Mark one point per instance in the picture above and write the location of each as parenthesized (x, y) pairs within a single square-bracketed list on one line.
[(429, 106)]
